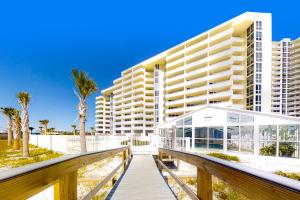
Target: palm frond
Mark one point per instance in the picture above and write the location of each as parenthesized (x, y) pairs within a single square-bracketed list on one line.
[(8, 111), (84, 85), (44, 121), (23, 98)]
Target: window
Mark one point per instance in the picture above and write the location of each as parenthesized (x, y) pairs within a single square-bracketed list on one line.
[(259, 25), (247, 119), (200, 137), (216, 138), (188, 121), (289, 141), (201, 132), (179, 132), (258, 78), (233, 138), (247, 143), (258, 56), (258, 67), (179, 123), (232, 118)]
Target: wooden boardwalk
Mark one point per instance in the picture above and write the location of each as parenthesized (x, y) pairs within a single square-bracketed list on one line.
[(142, 180)]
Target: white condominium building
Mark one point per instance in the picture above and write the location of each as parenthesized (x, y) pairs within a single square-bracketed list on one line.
[(285, 77), (103, 115), (229, 65)]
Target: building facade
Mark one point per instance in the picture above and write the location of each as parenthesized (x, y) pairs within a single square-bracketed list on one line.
[(228, 65), (285, 77)]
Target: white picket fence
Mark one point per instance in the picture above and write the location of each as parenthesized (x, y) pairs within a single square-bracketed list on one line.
[(69, 144)]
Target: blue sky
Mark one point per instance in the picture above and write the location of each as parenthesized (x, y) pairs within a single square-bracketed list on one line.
[(40, 42)]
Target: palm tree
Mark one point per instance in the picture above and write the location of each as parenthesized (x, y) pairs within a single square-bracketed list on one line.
[(17, 131), (74, 129), (31, 129), (24, 98), (92, 130), (84, 87), (41, 129), (45, 123), (9, 113), (51, 130)]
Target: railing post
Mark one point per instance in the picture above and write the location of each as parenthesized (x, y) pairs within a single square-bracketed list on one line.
[(124, 155), (66, 187), (160, 159), (204, 184)]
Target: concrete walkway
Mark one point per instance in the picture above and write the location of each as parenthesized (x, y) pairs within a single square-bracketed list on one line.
[(142, 180)]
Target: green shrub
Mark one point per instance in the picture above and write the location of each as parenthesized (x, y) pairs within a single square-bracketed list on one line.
[(291, 175), (286, 149), (268, 150), (224, 156)]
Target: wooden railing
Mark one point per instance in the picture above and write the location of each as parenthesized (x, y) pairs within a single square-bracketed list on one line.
[(254, 184), (24, 182)]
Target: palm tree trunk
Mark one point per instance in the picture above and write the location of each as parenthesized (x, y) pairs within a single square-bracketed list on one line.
[(82, 116), (25, 128), (9, 132), (16, 143), (46, 130)]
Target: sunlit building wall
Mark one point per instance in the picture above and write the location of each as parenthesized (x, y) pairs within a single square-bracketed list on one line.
[(228, 65)]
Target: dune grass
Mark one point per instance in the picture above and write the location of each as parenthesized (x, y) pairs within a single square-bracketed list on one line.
[(292, 175), (224, 156), (10, 158)]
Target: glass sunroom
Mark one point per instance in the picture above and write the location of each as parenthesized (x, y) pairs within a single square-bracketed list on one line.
[(213, 128)]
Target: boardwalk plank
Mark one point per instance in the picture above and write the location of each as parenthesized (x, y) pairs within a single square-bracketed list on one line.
[(142, 180)]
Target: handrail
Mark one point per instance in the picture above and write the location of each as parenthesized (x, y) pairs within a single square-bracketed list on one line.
[(253, 183), (24, 182)]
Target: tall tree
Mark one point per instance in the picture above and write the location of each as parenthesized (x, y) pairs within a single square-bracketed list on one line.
[(92, 130), (84, 87), (45, 123), (74, 129), (41, 129), (9, 113), (31, 129), (23, 99), (17, 131)]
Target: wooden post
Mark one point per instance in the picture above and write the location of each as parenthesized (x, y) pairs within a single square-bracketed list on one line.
[(160, 159), (124, 155), (66, 187), (204, 184)]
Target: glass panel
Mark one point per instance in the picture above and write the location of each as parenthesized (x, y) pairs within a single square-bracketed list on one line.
[(288, 132), (201, 132), (216, 132), (247, 132), (179, 132), (216, 144), (233, 132), (188, 121), (267, 132), (247, 119), (289, 149), (232, 118), (267, 148), (232, 145), (247, 146), (188, 132), (200, 143), (179, 123)]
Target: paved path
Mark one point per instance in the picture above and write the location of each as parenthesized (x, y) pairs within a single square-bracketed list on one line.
[(142, 180)]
